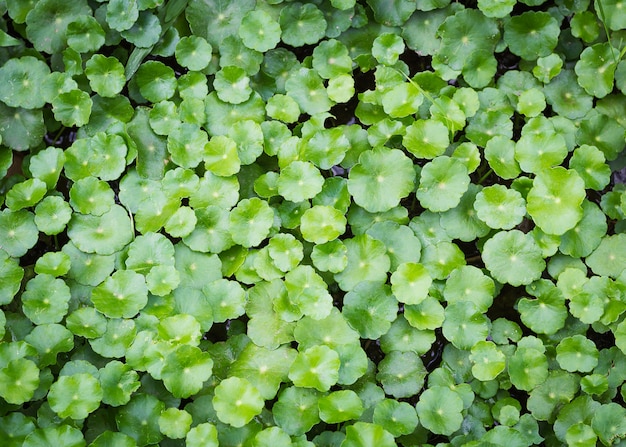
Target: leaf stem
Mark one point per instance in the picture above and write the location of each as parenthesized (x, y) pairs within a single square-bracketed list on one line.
[(606, 30), (485, 176)]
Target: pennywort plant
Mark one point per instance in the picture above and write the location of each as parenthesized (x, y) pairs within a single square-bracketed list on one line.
[(331, 222)]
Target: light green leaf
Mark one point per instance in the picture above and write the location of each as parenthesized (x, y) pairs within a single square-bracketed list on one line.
[(513, 257), (380, 179), (547, 197), (237, 401)]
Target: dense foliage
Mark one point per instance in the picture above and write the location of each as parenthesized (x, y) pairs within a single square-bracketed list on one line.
[(331, 222)]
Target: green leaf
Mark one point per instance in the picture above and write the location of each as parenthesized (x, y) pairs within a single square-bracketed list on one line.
[(145, 32), (156, 81), (609, 422), (528, 366), (47, 23), (12, 273), (116, 338), (221, 157), (86, 322), (566, 97), (590, 164), (468, 283), (91, 196), (443, 181), (104, 235), (581, 240), (227, 299), (202, 435), (45, 299), (367, 261), (613, 15), (596, 69), (250, 222), (72, 108), (306, 87), (464, 324), (487, 360), (439, 410), (387, 48), (88, 269), (500, 207), (546, 399), (215, 21), (398, 418), (62, 434), (175, 423), (75, 396), (465, 35), (237, 401), (500, 154), (122, 14), (442, 258), (602, 131), (149, 251), (547, 197), (232, 85), (608, 258), (462, 222), (531, 34), (46, 165), (296, 410), (25, 194), (21, 129), (122, 295), (23, 77), (103, 156), (513, 257), (401, 374), (299, 180), (340, 406), (367, 434), (105, 74), (19, 379), (316, 367), (410, 283), (534, 135), (380, 179), (259, 31), (392, 13), (426, 138), (185, 370), (85, 34), (139, 419), (302, 24), (548, 67), (370, 308), (321, 224), (495, 8), (20, 232), (577, 353), (544, 315)]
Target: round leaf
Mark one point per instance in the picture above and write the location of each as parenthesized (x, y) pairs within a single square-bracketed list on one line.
[(548, 197), (380, 179), (237, 401), (122, 295), (439, 410), (513, 257), (443, 181)]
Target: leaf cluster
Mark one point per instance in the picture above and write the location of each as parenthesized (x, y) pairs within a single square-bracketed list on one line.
[(336, 223)]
